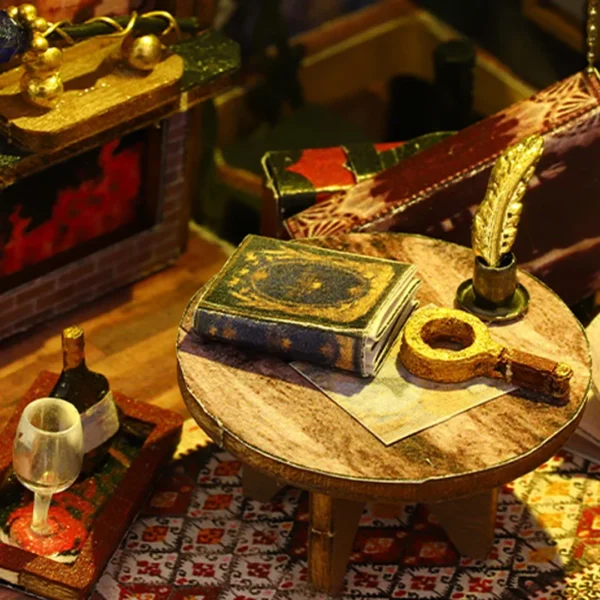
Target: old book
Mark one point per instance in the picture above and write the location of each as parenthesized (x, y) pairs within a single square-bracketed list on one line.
[(301, 302)]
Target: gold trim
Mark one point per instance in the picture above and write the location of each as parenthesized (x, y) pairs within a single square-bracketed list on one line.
[(173, 25), (591, 35), (244, 289), (58, 28), (120, 30)]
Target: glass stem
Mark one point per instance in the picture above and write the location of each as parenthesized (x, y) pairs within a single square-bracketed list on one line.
[(41, 504)]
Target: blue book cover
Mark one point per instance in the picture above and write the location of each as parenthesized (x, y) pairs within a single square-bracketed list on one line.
[(302, 302)]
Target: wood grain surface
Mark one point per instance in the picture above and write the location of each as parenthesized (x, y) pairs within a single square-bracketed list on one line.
[(333, 525), (275, 421), (130, 335), (469, 522), (98, 91)]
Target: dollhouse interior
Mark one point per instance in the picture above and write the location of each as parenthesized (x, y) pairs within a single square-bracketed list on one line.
[(119, 237)]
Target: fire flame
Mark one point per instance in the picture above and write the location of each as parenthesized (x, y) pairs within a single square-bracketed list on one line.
[(92, 209)]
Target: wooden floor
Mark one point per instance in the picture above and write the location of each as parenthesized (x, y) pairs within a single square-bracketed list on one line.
[(130, 334)]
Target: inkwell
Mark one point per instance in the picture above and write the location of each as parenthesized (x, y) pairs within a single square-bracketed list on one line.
[(494, 294)]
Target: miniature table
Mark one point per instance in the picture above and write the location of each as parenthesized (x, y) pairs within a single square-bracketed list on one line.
[(285, 431)]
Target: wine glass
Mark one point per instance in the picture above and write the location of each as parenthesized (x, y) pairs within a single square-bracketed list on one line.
[(47, 453)]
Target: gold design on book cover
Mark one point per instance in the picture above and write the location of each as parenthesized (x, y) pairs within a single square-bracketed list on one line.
[(345, 359), (299, 283), (327, 350), (229, 333)]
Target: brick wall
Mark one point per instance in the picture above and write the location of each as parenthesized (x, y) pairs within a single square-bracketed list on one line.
[(115, 266)]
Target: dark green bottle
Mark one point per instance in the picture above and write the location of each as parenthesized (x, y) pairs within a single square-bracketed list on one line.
[(453, 63), (90, 393)]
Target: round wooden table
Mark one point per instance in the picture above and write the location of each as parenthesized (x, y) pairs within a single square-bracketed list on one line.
[(284, 430)]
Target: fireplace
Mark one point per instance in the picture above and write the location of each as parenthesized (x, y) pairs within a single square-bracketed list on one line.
[(93, 192), (70, 210), (104, 218)]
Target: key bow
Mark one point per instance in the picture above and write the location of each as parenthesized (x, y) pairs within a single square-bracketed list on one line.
[(451, 346)]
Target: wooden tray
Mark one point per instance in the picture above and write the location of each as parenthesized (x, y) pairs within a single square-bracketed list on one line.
[(102, 97), (98, 92), (49, 578)]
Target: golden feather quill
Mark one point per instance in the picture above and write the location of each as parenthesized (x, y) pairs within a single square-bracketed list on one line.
[(495, 224)]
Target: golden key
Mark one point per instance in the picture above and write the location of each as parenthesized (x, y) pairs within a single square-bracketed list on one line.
[(452, 346)]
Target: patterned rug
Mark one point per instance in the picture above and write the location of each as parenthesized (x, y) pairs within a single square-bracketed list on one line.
[(199, 538)]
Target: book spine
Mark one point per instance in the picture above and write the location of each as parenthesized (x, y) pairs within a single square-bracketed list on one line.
[(287, 340)]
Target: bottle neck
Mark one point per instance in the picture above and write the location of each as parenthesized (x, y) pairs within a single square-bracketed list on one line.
[(73, 348), (73, 360)]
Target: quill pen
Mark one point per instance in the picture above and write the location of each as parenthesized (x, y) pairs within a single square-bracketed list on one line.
[(495, 224)]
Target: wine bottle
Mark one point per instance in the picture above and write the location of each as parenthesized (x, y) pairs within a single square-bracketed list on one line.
[(91, 395)]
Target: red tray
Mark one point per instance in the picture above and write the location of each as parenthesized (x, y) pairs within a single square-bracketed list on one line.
[(106, 524)]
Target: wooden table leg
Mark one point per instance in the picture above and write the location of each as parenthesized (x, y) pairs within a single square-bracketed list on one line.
[(258, 486), (333, 525), (469, 522)]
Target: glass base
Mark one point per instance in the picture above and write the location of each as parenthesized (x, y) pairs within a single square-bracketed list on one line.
[(61, 535)]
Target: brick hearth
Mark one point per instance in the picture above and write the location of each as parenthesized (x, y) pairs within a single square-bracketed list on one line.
[(114, 266)]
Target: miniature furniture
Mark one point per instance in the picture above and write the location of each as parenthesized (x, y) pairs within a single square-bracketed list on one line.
[(436, 191), (95, 193), (96, 513), (377, 43), (285, 431)]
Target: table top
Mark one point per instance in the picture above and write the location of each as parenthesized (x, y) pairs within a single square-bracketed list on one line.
[(274, 420), (593, 333)]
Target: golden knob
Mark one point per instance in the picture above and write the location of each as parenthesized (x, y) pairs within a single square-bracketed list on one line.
[(43, 63), (42, 92), (38, 44), (28, 13), (142, 53), (40, 25)]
